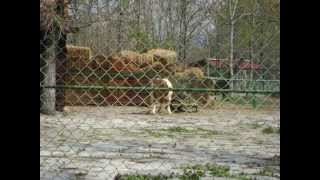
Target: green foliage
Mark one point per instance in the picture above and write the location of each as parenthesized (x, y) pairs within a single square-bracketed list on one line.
[(266, 171), (142, 39), (198, 171), (215, 71), (168, 43), (195, 172), (218, 171), (145, 177), (124, 4), (254, 102)]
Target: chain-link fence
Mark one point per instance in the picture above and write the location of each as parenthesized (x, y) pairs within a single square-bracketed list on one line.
[(159, 89)]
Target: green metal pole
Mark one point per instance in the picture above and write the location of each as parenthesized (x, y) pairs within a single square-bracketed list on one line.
[(197, 90)]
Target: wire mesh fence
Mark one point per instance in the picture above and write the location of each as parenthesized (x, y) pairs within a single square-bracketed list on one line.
[(150, 89)]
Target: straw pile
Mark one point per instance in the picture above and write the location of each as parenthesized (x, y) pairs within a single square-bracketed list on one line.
[(180, 68), (164, 56), (129, 56), (190, 73), (128, 63), (77, 51), (145, 60), (77, 56), (124, 61), (193, 77)]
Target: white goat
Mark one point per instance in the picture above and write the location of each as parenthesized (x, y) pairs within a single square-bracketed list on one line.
[(161, 97)]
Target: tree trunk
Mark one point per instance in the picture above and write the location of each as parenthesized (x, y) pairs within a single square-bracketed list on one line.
[(48, 95), (231, 52), (183, 31), (61, 70), (53, 60), (120, 24), (251, 59), (251, 47)]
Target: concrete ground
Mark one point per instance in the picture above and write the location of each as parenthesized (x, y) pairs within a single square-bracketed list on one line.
[(101, 142)]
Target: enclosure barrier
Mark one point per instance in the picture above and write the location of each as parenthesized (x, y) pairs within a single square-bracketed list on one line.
[(99, 58)]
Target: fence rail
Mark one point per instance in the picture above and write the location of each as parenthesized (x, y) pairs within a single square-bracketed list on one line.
[(160, 89)]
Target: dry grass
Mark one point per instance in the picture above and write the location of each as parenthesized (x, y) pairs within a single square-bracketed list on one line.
[(164, 56), (194, 72), (190, 72), (78, 51)]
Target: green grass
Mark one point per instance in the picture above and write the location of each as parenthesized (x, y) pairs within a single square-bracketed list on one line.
[(153, 133), (255, 126), (176, 130), (144, 177), (266, 171), (209, 132), (211, 169), (270, 130), (193, 173), (218, 171), (196, 172)]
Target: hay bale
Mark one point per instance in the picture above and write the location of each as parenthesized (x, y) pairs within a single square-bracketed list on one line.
[(163, 55), (192, 77), (145, 60), (158, 62), (180, 68), (129, 56), (151, 71), (99, 58), (77, 51), (157, 66), (125, 61), (194, 72), (179, 75), (101, 61), (77, 57)]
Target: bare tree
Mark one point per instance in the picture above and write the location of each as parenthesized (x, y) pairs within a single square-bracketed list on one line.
[(191, 17)]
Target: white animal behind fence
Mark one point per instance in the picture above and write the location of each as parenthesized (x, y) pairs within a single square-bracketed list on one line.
[(161, 98)]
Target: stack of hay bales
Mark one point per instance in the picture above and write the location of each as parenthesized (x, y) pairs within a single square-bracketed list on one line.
[(164, 56), (159, 62), (189, 76), (124, 61), (136, 70), (78, 56), (78, 59), (194, 72), (145, 60), (192, 77), (99, 65), (130, 59), (129, 56), (153, 61)]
